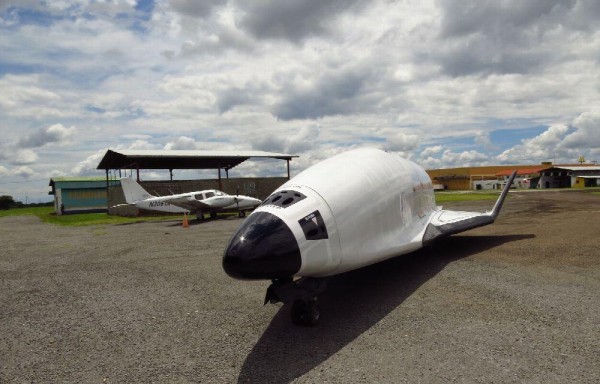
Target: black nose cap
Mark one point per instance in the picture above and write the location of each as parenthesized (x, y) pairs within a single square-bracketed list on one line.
[(263, 247)]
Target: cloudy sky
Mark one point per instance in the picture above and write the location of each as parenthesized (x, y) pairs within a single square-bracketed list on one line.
[(445, 83)]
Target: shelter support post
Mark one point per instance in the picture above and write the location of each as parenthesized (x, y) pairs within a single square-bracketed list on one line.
[(288, 169), (171, 173), (107, 199), (220, 183), (137, 168)]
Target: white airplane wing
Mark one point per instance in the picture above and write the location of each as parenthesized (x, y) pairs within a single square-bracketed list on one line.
[(445, 223), (211, 203), (186, 203)]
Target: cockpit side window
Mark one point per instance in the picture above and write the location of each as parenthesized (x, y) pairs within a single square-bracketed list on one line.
[(209, 194), (284, 199), (199, 196)]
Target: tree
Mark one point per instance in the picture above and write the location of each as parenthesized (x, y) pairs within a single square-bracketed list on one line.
[(6, 202)]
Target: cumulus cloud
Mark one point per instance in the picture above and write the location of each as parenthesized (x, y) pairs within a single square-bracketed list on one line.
[(560, 142), (24, 157), (483, 139), (140, 145), (402, 142), (23, 171), (89, 164), (312, 78), (195, 8), (430, 151), (54, 134), (292, 20), (305, 139), (27, 96), (540, 148), (337, 92), (432, 163), (500, 37), (464, 158), (181, 143), (232, 97), (587, 131)]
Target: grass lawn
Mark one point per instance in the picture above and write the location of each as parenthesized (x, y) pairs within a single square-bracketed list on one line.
[(26, 211), (444, 197), (46, 214)]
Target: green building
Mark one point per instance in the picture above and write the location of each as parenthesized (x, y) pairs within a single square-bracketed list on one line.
[(79, 194)]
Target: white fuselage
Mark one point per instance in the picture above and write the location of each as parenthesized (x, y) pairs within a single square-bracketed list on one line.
[(369, 215), (159, 203), (211, 199)]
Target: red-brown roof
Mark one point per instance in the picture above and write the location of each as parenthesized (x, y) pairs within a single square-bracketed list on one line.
[(523, 171)]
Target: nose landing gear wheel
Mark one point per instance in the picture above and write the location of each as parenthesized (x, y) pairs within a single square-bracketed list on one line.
[(242, 214), (305, 312)]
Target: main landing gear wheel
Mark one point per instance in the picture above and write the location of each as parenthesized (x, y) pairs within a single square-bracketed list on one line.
[(242, 214), (213, 215), (300, 296), (305, 312)]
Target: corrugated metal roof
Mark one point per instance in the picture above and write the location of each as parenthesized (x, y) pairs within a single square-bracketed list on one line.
[(77, 178), (184, 153), (80, 182), (579, 167), (180, 159)]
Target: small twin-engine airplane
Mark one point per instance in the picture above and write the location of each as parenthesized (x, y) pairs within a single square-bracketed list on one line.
[(207, 201), (352, 210)]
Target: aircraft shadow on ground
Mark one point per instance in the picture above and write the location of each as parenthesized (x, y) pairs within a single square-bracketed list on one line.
[(353, 303), (193, 221)]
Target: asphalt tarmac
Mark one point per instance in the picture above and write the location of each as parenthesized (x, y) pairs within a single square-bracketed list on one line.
[(517, 301)]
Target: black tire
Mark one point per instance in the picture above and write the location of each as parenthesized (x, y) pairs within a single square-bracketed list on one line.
[(242, 214), (213, 215), (313, 313), (299, 312), (305, 312)]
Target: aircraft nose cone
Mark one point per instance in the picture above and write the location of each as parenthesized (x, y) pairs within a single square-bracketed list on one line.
[(263, 247)]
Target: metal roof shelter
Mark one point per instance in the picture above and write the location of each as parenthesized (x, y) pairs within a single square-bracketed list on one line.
[(565, 176), (174, 159), (178, 159)]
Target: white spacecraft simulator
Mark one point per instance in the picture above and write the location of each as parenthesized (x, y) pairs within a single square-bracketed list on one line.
[(349, 211)]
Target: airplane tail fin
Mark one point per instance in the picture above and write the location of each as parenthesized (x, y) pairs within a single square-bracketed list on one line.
[(498, 206), (133, 191), (444, 223)]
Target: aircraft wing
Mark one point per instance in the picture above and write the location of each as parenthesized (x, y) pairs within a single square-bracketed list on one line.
[(212, 203), (445, 223), (123, 205), (186, 203)]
